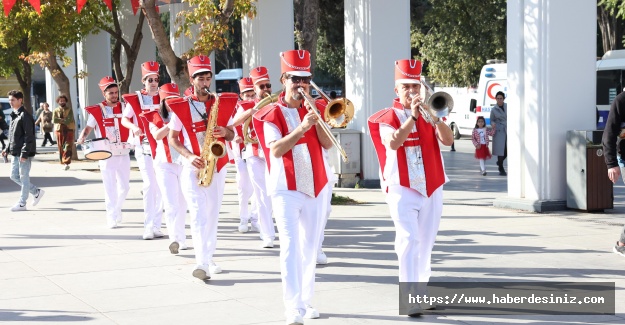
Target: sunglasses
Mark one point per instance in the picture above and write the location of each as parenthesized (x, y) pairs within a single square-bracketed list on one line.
[(262, 87), (296, 80), (150, 80)]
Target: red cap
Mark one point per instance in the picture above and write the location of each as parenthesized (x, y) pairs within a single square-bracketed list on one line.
[(245, 84), (296, 63), (169, 90), (149, 68), (199, 63), (106, 82), (407, 72), (259, 74)]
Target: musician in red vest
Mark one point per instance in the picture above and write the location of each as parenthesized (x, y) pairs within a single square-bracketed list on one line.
[(145, 100), (247, 213), (412, 173), (292, 140), (105, 119), (167, 167), (191, 117), (256, 164)]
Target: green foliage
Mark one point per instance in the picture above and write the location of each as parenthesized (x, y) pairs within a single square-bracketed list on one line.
[(330, 59), (343, 200), (614, 6), (456, 37)]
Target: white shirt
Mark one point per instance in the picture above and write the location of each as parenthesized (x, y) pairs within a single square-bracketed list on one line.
[(111, 131)]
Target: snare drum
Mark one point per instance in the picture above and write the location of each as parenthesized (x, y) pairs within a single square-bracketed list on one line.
[(97, 149)]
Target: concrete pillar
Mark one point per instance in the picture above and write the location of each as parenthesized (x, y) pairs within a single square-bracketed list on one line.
[(377, 33), (94, 59), (551, 90), (147, 51), (266, 35)]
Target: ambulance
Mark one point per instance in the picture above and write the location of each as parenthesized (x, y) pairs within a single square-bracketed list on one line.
[(610, 82), (493, 78)]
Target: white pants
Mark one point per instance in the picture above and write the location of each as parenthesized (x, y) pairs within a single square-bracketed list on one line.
[(152, 202), (116, 178), (168, 178), (204, 204), (416, 220), (298, 218), (257, 168), (245, 191), (324, 221)]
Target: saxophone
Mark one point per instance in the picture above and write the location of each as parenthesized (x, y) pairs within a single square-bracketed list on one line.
[(212, 149)]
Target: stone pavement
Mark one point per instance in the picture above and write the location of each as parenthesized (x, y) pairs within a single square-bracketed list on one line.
[(60, 263)]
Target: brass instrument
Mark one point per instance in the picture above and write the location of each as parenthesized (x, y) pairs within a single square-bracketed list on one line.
[(212, 149), (271, 98), (335, 109), (322, 124), (440, 104)]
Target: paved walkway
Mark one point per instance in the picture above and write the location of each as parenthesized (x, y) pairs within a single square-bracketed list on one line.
[(60, 263)]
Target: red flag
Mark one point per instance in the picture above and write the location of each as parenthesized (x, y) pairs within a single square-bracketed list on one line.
[(8, 5), (80, 4), (109, 3), (135, 5), (37, 5)]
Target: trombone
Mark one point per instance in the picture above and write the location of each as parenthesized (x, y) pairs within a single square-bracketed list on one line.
[(322, 124), (336, 108)]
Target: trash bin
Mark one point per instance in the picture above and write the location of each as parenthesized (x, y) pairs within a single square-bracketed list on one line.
[(587, 184)]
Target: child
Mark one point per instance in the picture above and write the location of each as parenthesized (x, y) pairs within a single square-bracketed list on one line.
[(480, 141)]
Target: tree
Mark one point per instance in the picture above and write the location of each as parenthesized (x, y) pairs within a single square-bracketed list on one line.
[(330, 51), (27, 38), (610, 20), (455, 40), (207, 23), (306, 14)]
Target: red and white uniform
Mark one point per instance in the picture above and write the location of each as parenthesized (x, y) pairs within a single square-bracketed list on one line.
[(136, 103), (298, 184), (203, 202), (258, 171), (106, 122), (413, 178), (168, 169), (245, 188)]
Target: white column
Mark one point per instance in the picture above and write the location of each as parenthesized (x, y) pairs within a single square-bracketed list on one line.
[(377, 33), (94, 59), (147, 52), (265, 36), (552, 90)]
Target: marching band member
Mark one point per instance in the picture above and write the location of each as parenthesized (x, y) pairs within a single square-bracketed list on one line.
[(244, 183), (142, 101), (256, 163), (412, 172), (105, 119), (192, 117), (167, 167), (293, 141)]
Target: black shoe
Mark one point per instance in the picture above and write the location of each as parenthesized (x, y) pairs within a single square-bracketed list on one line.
[(452, 149), (54, 143), (502, 173)]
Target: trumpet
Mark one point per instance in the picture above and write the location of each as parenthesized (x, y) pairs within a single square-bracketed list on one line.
[(440, 104), (322, 124)]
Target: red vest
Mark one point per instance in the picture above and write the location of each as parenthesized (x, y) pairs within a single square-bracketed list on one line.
[(136, 103), (273, 114), (103, 123), (432, 161), (182, 108), (155, 118)]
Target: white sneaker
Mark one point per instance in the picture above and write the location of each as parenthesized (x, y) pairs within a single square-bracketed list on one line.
[(243, 228), (183, 247), (268, 243), (311, 313), (112, 224), (255, 226), (38, 197), (158, 233), (214, 268), (148, 234), (66, 167), (201, 273), (294, 318), (322, 259), (18, 207), (119, 219)]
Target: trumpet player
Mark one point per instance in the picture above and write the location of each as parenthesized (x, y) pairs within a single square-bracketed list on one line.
[(412, 172), (292, 140), (194, 117)]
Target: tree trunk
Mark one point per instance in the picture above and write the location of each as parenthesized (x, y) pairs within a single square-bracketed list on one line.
[(176, 67), (611, 28), (25, 80), (306, 14)]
